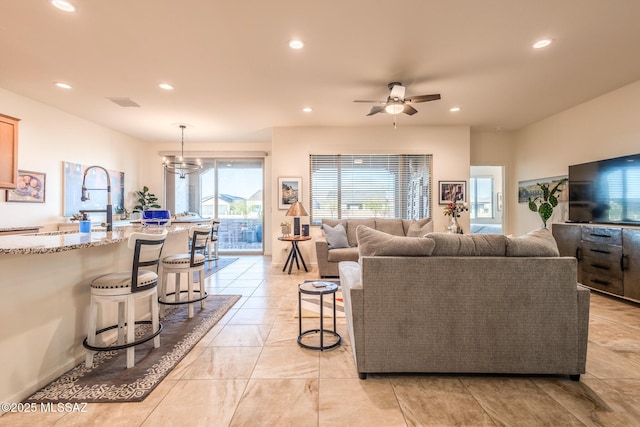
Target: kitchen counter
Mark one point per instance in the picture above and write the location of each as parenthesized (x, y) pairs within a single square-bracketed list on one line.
[(17, 230), (44, 299), (60, 241)]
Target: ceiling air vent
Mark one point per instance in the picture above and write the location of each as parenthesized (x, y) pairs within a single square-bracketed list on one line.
[(124, 101)]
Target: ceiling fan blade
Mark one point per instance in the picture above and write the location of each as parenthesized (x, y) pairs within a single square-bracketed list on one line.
[(397, 92), (408, 109), (376, 110), (369, 101), (423, 98)]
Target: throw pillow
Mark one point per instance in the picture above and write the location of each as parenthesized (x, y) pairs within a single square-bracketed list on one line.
[(377, 243), (336, 236), (352, 224), (535, 243), (419, 227), (467, 244)]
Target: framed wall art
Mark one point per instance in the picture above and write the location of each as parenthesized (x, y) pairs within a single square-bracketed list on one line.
[(30, 188), (452, 191), (290, 191)]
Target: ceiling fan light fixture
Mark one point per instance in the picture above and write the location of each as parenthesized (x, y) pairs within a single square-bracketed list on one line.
[(394, 108)]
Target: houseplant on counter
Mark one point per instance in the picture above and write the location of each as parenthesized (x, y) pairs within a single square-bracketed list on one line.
[(544, 204), (146, 200)]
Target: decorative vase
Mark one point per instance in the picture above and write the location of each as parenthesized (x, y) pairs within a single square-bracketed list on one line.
[(454, 227)]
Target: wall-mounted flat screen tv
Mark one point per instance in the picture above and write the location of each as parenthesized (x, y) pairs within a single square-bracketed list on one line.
[(606, 191)]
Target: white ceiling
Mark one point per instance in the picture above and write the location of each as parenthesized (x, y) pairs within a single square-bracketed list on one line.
[(235, 76)]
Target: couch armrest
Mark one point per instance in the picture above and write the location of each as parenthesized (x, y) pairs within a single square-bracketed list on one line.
[(584, 297), (322, 255), (353, 297)]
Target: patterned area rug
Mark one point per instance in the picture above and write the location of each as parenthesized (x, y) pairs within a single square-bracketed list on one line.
[(109, 380), (210, 267), (311, 304)]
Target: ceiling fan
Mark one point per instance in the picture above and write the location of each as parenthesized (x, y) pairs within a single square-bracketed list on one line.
[(396, 103)]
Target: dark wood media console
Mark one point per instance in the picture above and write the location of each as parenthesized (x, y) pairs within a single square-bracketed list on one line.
[(608, 256)]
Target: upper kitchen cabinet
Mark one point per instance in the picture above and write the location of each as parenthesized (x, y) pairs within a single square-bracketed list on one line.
[(8, 151)]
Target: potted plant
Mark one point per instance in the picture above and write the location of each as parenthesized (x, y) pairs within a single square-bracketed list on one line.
[(544, 205), (146, 200)]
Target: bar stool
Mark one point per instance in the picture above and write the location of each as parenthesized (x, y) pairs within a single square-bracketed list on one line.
[(188, 263), (213, 241), (125, 288)]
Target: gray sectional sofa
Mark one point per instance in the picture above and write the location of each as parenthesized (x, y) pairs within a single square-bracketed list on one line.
[(329, 256), (465, 304)]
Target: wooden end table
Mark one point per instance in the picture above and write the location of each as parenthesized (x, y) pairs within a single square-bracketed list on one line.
[(295, 253)]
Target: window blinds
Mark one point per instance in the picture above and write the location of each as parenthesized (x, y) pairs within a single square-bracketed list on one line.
[(370, 185)]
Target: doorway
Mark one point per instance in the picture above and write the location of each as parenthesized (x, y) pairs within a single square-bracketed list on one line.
[(486, 199)]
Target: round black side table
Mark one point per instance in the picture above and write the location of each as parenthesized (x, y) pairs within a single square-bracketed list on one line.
[(320, 289)]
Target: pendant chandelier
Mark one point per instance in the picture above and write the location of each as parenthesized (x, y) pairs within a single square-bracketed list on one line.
[(181, 166)]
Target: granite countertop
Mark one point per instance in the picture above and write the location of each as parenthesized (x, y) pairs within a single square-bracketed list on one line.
[(60, 241), (19, 228)]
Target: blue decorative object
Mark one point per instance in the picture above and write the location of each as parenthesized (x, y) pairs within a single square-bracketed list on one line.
[(156, 217)]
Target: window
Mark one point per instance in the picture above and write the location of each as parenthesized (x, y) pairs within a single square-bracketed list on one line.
[(370, 185), (481, 198)]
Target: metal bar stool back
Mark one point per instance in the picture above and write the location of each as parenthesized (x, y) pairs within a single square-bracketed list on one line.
[(190, 264), (125, 288), (213, 241)]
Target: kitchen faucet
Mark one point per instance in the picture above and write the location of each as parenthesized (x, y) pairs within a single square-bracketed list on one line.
[(86, 196)]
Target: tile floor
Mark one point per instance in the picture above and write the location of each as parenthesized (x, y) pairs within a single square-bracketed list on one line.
[(249, 371)]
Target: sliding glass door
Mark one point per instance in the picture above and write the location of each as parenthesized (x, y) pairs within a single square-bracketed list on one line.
[(228, 189)]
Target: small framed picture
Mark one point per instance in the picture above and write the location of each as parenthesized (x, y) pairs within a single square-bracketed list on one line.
[(290, 191), (30, 188), (452, 191)]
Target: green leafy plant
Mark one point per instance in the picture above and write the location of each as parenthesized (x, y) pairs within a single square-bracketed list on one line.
[(146, 200), (544, 204)]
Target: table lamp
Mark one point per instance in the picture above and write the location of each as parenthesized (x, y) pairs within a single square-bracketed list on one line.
[(296, 210)]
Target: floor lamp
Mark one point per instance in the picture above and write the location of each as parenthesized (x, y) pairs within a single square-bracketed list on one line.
[(296, 210)]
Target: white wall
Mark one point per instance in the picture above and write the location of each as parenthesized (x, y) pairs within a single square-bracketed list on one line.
[(450, 146), (47, 138), (605, 127)]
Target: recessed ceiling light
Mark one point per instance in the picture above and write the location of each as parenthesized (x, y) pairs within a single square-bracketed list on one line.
[(165, 86), (307, 109), (64, 5), (454, 109), (542, 43), (296, 44), (63, 85)]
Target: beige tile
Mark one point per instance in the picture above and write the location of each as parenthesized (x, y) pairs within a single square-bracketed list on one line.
[(436, 400), (223, 363), (352, 402), (254, 316), (281, 402), (338, 363), (283, 334), (594, 402), (177, 372), (241, 336), (263, 302), (518, 401), (37, 418), (198, 403), (294, 362)]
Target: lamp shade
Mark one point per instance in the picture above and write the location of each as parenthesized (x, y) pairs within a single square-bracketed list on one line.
[(297, 209)]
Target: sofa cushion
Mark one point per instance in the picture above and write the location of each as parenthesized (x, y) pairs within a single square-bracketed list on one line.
[(390, 226), (343, 254), (536, 243), (336, 236), (378, 243), (417, 227), (468, 244), (352, 224)]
